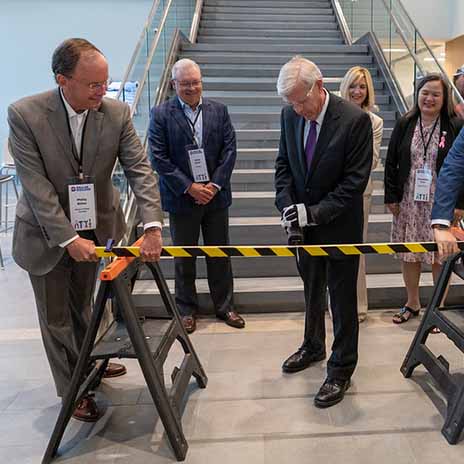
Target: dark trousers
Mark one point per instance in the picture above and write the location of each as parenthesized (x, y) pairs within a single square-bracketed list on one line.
[(341, 277), (63, 298), (185, 230)]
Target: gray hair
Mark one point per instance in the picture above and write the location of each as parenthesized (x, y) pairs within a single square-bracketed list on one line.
[(298, 69), (184, 63)]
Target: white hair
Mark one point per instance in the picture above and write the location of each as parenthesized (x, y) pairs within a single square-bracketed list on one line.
[(184, 63), (298, 69)]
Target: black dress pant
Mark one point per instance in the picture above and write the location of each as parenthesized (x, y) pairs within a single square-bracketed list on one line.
[(185, 230), (341, 277)]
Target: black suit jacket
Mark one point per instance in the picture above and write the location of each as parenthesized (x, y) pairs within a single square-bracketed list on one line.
[(398, 161), (334, 185)]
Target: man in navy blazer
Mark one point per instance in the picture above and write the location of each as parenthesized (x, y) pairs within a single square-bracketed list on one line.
[(193, 149), (322, 170), (450, 184)]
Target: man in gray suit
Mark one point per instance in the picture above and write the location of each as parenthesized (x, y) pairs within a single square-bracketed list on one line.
[(64, 141)]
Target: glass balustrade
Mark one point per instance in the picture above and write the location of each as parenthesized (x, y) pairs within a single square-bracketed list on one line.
[(407, 54), (140, 86)]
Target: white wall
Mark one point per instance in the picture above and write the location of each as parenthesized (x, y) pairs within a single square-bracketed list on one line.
[(435, 19), (458, 19), (31, 29)]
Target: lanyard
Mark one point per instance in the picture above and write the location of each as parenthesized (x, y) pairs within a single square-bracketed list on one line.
[(192, 124), (426, 145), (79, 158)]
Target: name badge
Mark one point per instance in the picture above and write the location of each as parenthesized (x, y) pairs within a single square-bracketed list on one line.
[(198, 165), (82, 208), (422, 184)]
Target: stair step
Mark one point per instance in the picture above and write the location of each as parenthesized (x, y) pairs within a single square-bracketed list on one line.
[(276, 267), (263, 10), (242, 4), (274, 49), (264, 158), (265, 84), (261, 203), (283, 25), (289, 15), (224, 70), (219, 41), (262, 179), (270, 294), (245, 58), (264, 32), (268, 99)]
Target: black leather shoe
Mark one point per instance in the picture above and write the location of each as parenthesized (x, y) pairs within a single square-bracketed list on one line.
[(189, 323), (300, 360), (331, 392), (233, 319)]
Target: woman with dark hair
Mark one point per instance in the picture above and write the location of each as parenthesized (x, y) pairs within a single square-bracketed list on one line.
[(419, 143)]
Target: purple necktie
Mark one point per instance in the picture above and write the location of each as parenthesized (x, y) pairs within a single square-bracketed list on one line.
[(310, 143)]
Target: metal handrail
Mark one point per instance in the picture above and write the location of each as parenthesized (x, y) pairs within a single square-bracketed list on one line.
[(196, 21), (150, 57), (417, 32), (138, 46), (345, 30)]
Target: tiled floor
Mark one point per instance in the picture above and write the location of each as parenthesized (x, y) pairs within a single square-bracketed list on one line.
[(249, 413)]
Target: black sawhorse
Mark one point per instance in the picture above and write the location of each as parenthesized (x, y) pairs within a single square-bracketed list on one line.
[(450, 320), (129, 337)]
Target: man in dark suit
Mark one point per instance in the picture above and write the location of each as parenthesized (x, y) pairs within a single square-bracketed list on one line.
[(322, 169), (193, 149), (63, 140), (450, 185)]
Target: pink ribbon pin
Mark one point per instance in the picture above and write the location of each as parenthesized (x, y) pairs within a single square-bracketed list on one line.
[(442, 140)]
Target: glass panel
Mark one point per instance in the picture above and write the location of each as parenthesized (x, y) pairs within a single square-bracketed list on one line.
[(142, 85), (362, 18)]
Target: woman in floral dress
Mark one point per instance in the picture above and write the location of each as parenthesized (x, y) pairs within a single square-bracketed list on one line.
[(419, 143)]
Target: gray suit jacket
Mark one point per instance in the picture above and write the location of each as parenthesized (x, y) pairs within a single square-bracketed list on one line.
[(41, 145)]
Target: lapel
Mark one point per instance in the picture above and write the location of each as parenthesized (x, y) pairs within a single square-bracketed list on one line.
[(206, 115), (179, 117), (91, 138), (328, 129), (57, 119)]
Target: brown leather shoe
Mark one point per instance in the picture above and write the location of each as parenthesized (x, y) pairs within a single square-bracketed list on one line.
[(87, 410), (233, 319), (114, 370), (190, 324)]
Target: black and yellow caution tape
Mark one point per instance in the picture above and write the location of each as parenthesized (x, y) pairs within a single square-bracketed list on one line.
[(249, 251)]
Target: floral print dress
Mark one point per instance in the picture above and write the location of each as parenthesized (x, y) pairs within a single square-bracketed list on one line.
[(413, 223)]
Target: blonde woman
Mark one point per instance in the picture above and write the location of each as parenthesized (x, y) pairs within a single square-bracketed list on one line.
[(357, 87)]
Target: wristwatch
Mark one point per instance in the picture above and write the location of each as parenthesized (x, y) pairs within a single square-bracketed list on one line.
[(440, 226)]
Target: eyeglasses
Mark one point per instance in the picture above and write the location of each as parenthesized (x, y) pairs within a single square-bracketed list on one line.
[(92, 86), (187, 84)]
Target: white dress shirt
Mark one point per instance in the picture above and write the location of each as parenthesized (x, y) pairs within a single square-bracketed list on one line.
[(77, 124)]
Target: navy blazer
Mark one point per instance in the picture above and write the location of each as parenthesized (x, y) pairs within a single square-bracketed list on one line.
[(168, 135), (450, 182), (334, 185)]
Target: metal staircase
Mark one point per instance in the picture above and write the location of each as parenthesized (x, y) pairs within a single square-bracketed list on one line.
[(240, 48)]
